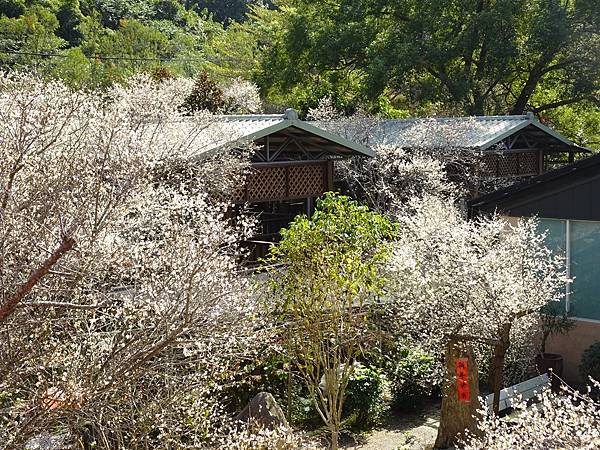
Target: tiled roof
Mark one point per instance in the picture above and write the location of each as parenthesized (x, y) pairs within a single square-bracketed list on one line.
[(231, 130), (478, 133)]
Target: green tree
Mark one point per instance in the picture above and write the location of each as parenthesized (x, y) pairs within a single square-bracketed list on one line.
[(12, 8), (470, 56), (325, 289), (224, 11), (69, 17), (23, 39), (97, 42)]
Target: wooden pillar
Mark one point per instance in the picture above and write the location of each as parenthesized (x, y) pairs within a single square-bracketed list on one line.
[(309, 204), (329, 176)]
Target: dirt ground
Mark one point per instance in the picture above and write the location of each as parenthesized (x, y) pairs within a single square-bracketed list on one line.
[(401, 431)]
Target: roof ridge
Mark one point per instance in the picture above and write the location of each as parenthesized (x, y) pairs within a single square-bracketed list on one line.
[(250, 116), (497, 117)]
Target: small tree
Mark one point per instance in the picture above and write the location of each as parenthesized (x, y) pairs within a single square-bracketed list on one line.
[(206, 95), (325, 292)]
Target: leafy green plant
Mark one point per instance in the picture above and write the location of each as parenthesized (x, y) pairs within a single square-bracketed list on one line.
[(412, 378), (364, 403), (590, 362), (554, 321)]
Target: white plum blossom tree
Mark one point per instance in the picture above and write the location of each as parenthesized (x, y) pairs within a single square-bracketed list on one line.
[(123, 311), (455, 282), (241, 97)]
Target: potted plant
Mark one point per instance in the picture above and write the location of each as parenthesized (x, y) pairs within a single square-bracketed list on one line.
[(554, 321)]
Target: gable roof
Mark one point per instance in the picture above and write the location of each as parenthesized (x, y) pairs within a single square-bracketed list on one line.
[(477, 133), (233, 130)]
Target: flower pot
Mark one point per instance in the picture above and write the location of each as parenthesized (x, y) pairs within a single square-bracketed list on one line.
[(552, 364)]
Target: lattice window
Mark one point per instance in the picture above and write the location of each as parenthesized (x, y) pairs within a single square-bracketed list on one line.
[(283, 182), (528, 163), (239, 194), (508, 164), (267, 183), (490, 164), (307, 181)]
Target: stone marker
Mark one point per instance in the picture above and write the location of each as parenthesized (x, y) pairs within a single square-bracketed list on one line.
[(264, 411)]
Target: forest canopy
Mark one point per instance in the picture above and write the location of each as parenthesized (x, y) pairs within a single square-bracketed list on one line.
[(392, 58)]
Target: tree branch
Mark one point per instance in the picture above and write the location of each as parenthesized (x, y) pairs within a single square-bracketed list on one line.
[(62, 305), (567, 101), (8, 308), (470, 338)]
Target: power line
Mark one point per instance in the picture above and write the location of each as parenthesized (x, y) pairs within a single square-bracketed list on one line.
[(108, 58)]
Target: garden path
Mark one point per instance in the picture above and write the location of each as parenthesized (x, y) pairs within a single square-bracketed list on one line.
[(402, 431)]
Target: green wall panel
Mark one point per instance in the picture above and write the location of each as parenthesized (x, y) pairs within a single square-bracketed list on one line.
[(585, 268)]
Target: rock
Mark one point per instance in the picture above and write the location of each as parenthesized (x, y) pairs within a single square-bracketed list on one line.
[(264, 411)]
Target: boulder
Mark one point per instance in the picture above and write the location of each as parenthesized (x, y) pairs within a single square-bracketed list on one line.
[(263, 411)]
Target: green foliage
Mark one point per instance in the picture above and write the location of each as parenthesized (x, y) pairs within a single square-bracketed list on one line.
[(341, 244), (206, 95), (590, 362), (364, 403), (411, 374), (69, 17), (97, 42), (326, 280), (12, 8), (436, 56), (30, 33), (554, 321), (224, 10)]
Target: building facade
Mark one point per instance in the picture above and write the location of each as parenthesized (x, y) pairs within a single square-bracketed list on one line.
[(567, 203)]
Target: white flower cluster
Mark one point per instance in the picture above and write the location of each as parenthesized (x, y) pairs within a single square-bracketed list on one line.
[(241, 97), (469, 278), (249, 438), (570, 420)]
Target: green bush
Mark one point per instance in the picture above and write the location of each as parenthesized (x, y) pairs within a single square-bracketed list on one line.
[(411, 375), (590, 362), (364, 405)]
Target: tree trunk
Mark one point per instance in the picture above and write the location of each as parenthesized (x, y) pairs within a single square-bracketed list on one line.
[(529, 88), (457, 416), (497, 366), (334, 440)]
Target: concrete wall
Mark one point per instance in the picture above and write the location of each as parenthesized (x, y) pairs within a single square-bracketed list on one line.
[(572, 345)]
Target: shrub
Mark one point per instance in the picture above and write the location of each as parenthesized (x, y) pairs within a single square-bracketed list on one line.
[(590, 362), (206, 95), (412, 378), (364, 403)]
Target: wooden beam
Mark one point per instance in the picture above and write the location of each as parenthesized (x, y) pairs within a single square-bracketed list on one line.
[(281, 148)]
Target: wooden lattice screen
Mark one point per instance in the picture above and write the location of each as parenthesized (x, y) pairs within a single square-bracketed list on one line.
[(511, 164), (283, 183)]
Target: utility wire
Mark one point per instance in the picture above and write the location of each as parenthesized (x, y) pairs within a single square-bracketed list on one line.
[(107, 58)]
